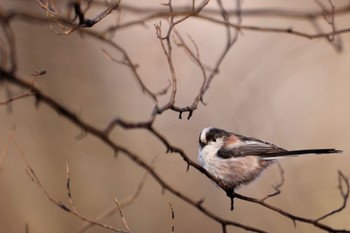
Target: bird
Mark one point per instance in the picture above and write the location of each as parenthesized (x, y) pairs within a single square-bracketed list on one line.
[(235, 160)]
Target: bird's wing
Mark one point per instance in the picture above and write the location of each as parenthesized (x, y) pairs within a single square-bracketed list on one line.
[(247, 146), (251, 147)]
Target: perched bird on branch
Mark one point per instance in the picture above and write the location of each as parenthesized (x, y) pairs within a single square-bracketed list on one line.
[(235, 160)]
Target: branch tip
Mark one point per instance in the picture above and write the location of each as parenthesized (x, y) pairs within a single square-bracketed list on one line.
[(63, 206), (190, 113), (201, 201)]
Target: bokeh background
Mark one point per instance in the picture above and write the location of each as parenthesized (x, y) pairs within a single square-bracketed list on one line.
[(288, 90)]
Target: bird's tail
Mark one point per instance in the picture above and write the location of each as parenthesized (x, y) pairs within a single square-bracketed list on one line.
[(281, 154)]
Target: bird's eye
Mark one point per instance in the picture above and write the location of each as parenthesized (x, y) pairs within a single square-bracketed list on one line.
[(214, 140)]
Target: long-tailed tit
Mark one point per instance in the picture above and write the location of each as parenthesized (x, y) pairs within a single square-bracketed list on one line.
[(235, 160)]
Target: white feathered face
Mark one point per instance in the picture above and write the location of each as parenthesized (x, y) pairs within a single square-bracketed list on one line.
[(211, 141), (211, 137)]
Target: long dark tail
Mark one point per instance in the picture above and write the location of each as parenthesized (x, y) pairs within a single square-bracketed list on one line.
[(299, 152)]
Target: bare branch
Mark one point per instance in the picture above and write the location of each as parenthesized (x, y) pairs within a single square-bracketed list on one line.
[(122, 215), (38, 73), (30, 18), (91, 22), (293, 217), (10, 40), (13, 98), (49, 8), (126, 60), (80, 14), (123, 62), (278, 186), (167, 49), (167, 38), (246, 13), (31, 173), (4, 150), (26, 229), (74, 209), (172, 217), (344, 192), (135, 158), (27, 93), (112, 210), (195, 56), (329, 17), (290, 31)]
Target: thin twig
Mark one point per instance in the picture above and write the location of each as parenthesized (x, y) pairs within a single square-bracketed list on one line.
[(28, 18), (329, 17), (80, 14), (9, 76), (26, 228), (194, 56), (28, 92), (344, 192), (100, 134), (10, 39), (277, 12), (124, 203), (32, 174), (122, 215), (17, 97), (172, 217), (4, 150), (292, 217), (126, 60), (278, 186), (74, 209)]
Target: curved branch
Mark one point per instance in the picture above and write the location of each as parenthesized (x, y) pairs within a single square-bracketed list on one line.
[(100, 134), (41, 97), (103, 135)]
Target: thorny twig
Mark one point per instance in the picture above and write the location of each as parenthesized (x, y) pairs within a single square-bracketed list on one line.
[(3, 151), (32, 174), (80, 14), (137, 159), (122, 215), (100, 134), (278, 186), (27, 93), (113, 209), (167, 49), (17, 97), (103, 135), (344, 189), (124, 203), (23, 16), (246, 13), (329, 17), (195, 56), (172, 217), (69, 193), (10, 40)]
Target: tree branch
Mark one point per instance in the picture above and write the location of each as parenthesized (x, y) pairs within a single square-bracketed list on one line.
[(100, 134), (61, 110), (172, 35)]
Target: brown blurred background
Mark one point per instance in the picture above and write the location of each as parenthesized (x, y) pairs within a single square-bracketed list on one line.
[(284, 89)]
